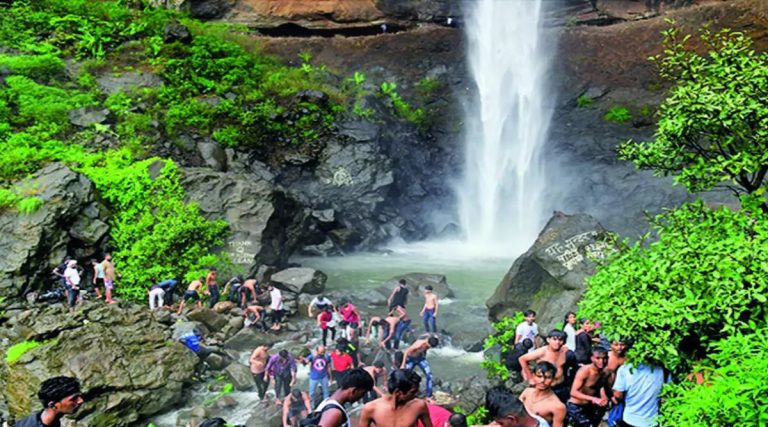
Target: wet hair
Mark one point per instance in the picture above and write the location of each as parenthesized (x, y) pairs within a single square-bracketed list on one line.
[(527, 343), (403, 380), (527, 313), (545, 368), (428, 287), (457, 420), (433, 341), (560, 335), (296, 393), (214, 422), (567, 315), (376, 323), (500, 402), (378, 364), (402, 282), (599, 351), (283, 354), (356, 378), (55, 389)]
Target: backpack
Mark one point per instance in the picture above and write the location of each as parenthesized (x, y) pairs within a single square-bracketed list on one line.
[(313, 419)]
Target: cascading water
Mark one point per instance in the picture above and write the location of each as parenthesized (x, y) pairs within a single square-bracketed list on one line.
[(500, 198)]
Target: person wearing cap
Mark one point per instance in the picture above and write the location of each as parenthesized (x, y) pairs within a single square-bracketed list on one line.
[(60, 396), (72, 278)]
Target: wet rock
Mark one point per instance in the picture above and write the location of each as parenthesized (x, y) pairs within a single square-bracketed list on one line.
[(265, 223), (549, 277), (213, 155), (33, 244), (247, 339), (300, 280), (87, 116), (240, 376), (225, 402), (127, 82), (121, 355), (223, 307), (211, 319), (176, 32), (236, 323), (182, 328), (163, 316), (89, 231), (216, 361)]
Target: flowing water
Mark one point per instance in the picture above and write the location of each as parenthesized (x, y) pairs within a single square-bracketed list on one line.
[(500, 198)]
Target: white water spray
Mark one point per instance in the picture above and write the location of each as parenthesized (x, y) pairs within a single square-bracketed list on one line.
[(500, 199)]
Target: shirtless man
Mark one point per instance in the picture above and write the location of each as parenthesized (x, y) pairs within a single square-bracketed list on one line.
[(429, 311), (416, 354), (388, 328), (540, 399), (376, 371), (400, 408), (254, 314), (296, 406), (617, 355), (374, 325), (555, 353), (110, 275), (191, 294), (249, 286), (589, 396), (212, 287), (258, 363)]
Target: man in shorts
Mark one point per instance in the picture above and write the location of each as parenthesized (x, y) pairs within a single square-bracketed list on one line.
[(589, 393), (110, 275), (192, 294)]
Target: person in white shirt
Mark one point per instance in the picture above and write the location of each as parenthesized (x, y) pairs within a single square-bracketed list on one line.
[(319, 302), (72, 278), (570, 331), (528, 329), (277, 306)]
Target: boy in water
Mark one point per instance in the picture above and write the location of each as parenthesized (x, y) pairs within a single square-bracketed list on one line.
[(429, 311), (589, 393), (540, 399), (400, 408), (191, 294)]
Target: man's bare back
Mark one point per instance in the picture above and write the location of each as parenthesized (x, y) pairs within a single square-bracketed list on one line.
[(418, 348), (259, 359), (382, 412), (195, 285)]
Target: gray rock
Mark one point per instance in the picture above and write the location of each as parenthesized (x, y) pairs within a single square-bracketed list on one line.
[(240, 376), (549, 277), (87, 116), (120, 354), (265, 223), (324, 215), (182, 328), (236, 322), (176, 32), (300, 280), (89, 231), (216, 361), (211, 319), (224, 307), (327, 248), (213, 155), (247, 339), (127, 82), (32, 245)]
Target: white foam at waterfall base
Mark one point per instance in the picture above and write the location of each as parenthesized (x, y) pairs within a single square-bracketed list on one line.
[(501, 206)]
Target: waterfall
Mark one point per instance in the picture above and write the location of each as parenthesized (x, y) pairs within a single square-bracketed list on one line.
[(501, 195)]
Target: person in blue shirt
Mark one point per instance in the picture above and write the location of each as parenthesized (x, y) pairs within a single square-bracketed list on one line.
[(319, 371), (639, 388)]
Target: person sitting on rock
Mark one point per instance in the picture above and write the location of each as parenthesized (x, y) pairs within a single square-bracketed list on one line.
[(60, 396), (296, 406), (192, 294)]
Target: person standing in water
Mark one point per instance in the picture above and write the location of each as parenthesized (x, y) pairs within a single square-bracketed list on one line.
[(429, 311)]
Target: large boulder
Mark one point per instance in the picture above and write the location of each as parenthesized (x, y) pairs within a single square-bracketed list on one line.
[(67, 222), (123, 358), (240, 376), (248, 339), (265, 223), (210, 318), (300, 280), (549, 277)]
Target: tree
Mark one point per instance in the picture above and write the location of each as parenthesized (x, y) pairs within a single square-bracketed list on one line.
[(713, 126), (703, 280)]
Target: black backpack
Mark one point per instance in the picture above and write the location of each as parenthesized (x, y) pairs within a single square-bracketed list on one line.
[(313, 419)]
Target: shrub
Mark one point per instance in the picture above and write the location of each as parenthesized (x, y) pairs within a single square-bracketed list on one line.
[(17, 350), (32, 66), (427, 86), (617, 115), (504, 339), (584, 101), (29, 205)]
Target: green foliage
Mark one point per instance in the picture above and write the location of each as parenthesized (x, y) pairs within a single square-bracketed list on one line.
[(156, 234), (417, 116), (706, 278), (32, 66), (225, 390), (584, 101), (29, 205), (17, 350), (713, 125), (358, 78), (504, 338), (475, 418), (617, 115), (735, 392), (427, 86)]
